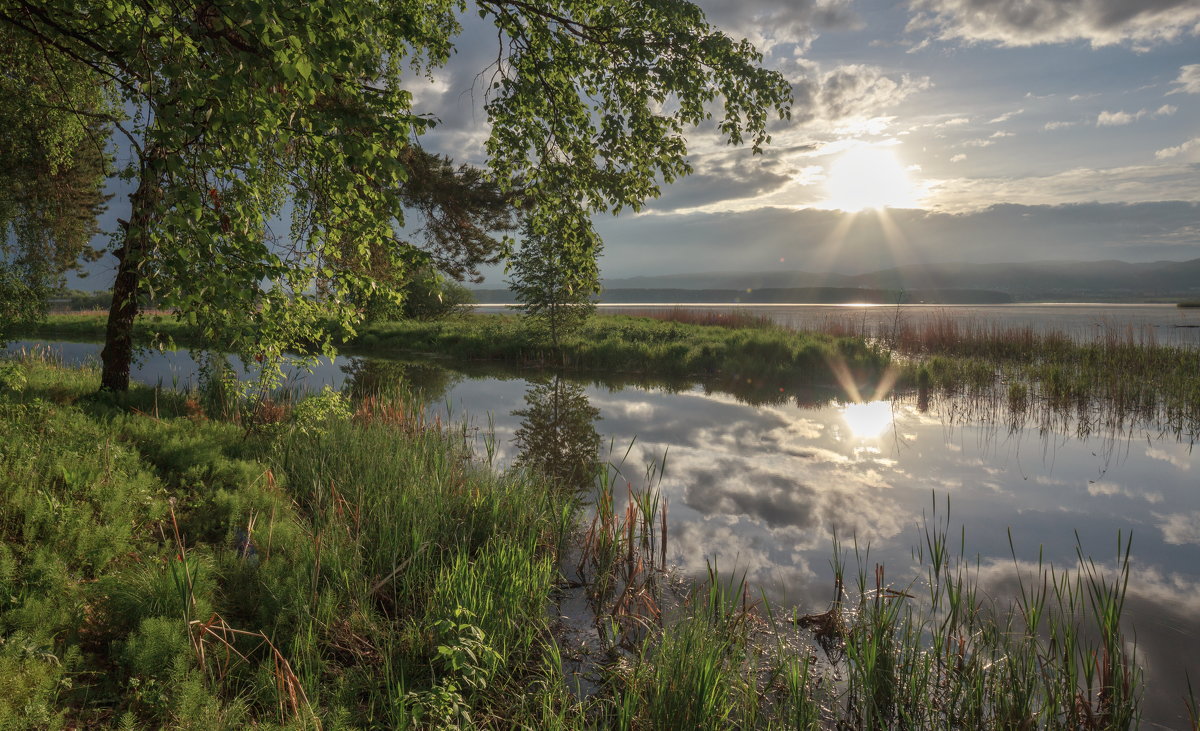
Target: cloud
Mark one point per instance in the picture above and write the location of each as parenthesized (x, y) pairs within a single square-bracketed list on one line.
[(1188, 81), (1111, 489), (1188, 151), (694, 546), (1129, 184), (830, 106), (849, 498), (1139, 23), (1114, 119), (824, 240), (1059, 125), (958, 158), (1180, 528), (1117, 119), (727, 176), (855, 90), (1178, 456), (769, 22), (1006, 116)]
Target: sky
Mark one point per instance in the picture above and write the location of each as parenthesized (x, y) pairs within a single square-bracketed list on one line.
[(922, 131)]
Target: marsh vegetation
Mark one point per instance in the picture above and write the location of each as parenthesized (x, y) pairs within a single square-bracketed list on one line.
[(199, 559)]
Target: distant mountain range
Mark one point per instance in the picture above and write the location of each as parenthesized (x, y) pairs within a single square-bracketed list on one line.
[(1032, 281), (1061, 281), (777, 295)]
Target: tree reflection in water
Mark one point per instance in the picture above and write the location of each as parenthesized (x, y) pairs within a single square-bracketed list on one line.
[(557, 436)]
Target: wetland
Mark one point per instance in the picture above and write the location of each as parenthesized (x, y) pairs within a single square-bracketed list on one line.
[(763, 482)]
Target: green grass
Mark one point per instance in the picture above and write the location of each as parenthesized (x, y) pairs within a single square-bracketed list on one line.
[(181, 571), (640, 345)]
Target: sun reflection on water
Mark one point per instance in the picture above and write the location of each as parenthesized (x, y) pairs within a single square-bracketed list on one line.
[(868, 420)]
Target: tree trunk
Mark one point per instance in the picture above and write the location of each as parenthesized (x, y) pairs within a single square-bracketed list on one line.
[(117, 355)]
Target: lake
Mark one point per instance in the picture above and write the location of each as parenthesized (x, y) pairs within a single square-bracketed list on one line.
[(760, 485)]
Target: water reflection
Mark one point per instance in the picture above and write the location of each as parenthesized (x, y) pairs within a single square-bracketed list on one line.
[(370, 376), (557, 435), (868, 420)]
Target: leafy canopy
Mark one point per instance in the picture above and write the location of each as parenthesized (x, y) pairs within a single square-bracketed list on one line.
[(241, 111), (52, 154)]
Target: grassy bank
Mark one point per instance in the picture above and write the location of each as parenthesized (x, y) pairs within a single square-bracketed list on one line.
[(639, 345), (747, 350), (190, 561), (318, 568)]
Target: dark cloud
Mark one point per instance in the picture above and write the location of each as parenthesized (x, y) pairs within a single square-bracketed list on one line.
[(724, 177), (1030, 22)]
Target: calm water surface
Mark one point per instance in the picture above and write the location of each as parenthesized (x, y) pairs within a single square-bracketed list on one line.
[(762, 487)]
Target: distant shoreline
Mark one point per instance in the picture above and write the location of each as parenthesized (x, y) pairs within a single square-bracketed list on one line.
[(872, 305)]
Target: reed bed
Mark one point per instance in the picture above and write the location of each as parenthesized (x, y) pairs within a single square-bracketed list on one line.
[(931, 654), (1121, 379)]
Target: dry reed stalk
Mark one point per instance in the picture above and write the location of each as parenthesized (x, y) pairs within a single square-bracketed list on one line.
[(290, 691)]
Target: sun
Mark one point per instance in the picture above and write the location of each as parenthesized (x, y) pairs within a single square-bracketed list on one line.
[(868, 177)]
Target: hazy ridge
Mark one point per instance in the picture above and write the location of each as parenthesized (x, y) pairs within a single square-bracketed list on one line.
[(777, 295), (1031, 281)]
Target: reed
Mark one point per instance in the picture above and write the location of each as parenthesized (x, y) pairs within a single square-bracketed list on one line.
[(935, 653)]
